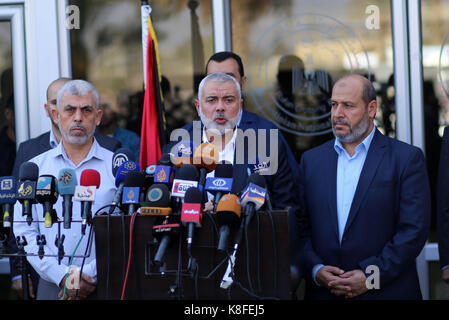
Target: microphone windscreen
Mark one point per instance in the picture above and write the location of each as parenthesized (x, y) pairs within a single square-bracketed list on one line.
[(206, 156), (90, 177), (135, 179), (187, 172), (193, 195), (120, 156), (28, 171), (224, 170), (67, 181), (46, 190), (158, 195), (229, 203), (125, 168), (257, 179), (229, 210), (8, 187)]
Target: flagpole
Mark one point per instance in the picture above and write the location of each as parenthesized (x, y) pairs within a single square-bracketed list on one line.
[(145, 11)]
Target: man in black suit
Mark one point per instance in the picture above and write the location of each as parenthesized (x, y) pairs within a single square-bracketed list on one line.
[(231, 63), (33, 147), (443, 207)]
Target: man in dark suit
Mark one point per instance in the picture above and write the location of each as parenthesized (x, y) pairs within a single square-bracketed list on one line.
[(443, 207), (33, 147), (231, 63), (367, 199), (223, 123)]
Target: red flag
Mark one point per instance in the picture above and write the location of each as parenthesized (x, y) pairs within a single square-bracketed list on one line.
[(150, 141)]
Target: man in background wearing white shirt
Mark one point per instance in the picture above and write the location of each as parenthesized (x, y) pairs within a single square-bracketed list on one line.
[(78, 115)]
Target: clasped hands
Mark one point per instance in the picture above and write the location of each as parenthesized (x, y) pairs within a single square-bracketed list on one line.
[(340, 283)]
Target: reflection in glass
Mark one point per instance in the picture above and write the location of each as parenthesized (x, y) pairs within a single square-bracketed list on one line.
[(7, 119), (295, 50), (107, 50)]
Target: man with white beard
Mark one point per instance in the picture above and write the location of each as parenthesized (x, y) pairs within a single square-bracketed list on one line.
[(77, 115), (224, 123)]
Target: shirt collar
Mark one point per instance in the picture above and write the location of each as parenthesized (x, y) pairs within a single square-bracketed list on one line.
[(364, 144), (94, 152)]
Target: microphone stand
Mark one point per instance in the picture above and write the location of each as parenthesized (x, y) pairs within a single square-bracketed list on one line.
[(22, 266)]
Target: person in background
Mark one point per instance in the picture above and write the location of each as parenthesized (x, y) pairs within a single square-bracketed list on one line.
[(109, 123)]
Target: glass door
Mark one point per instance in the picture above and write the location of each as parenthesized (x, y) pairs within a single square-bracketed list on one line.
[(295, 50)]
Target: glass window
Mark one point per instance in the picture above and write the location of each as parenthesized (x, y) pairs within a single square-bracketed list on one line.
[(435, 60), (107, 50), (7, 119), (295, 50)]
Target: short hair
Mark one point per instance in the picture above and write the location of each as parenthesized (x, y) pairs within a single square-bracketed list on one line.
[(224, 55), (78, 88), (368, 92), (62, 80), (218, 77)]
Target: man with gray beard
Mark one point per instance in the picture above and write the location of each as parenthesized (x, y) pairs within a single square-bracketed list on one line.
[(77, 115), (223, 123), (367, 200)]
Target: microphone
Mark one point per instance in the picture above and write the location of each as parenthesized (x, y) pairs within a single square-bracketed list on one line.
[(186, 177), (157, 201), (134, 181), (165, 230), (120, 156), (8, 189), (123, 170), (252, 199), (221, 183), (67, 182), (191, 213), (163, 171), (28, 175), (47, 195), (262, 168), (253, 196), (149, 176), (228, 216), (205, 158), (85, 193)]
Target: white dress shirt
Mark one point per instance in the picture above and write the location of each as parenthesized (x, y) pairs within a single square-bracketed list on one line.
[(51, 162)]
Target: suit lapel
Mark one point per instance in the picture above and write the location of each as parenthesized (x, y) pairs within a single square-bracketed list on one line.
[(372, 161)]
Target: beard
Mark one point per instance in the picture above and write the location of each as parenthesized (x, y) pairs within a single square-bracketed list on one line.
[(355, 133), (210, 124), (77, 139)]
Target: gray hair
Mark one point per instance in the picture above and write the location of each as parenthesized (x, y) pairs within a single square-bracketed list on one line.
[(78, 88), (218, 77)]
